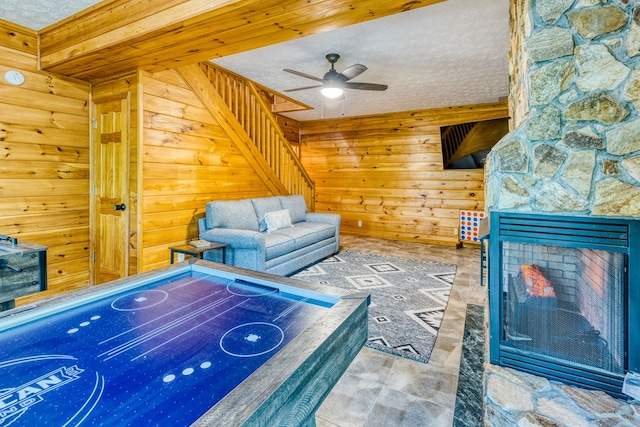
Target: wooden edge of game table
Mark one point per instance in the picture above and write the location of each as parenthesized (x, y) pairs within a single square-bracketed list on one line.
[(289, 388)]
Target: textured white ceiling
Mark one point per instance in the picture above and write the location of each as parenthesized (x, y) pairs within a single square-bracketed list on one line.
[(448, 54), (38, 14)]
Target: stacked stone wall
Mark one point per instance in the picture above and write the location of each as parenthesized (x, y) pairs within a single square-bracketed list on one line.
[(576, 97), (575, 150), (520, 28)]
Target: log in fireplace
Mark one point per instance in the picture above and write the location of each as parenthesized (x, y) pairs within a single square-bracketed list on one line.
[(564, 297)]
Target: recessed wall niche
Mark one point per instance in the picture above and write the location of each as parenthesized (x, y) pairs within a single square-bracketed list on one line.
[(466, 145)]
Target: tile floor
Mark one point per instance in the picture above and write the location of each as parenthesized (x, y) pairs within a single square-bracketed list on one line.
[(384, 390)]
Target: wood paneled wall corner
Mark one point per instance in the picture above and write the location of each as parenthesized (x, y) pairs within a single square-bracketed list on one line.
[(187, 160), (291, 130), (18, 38), (44, 172), (384, 175), (136, 185)]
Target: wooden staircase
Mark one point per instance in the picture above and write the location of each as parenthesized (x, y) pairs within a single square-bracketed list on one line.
[(252, 110)]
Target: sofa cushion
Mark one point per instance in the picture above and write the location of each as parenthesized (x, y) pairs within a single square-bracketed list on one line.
[(232, 214), (262, 205), (297, 207), (307, 233), (276, 220), (277, 245)]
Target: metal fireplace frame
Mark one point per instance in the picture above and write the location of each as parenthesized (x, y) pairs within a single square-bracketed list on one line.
[(610, 234)]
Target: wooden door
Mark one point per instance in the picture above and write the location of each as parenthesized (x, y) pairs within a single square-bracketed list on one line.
[(111, 189)]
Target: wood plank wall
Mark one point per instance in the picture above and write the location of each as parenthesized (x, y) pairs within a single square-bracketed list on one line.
[(386, 171), (186, 161), (44, 162), (290, 128)]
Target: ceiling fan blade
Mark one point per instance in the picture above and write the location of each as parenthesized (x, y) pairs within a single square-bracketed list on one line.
[(302, 88), (365, 86), (308, 76), (353, 71)]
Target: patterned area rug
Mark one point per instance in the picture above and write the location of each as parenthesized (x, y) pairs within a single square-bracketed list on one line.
[(408, 297)]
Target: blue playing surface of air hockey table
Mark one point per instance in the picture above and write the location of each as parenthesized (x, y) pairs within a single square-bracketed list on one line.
[(162, 350)]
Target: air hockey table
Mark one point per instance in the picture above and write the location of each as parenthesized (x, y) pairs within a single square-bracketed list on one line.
[(195, 343)]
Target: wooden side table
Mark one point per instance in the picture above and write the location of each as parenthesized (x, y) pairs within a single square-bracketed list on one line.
[(199, 252)]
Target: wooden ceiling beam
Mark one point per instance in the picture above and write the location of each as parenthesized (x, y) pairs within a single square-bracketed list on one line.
[(116, 37)]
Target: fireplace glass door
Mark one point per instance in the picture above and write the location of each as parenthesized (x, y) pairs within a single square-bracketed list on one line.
[(566, 303)]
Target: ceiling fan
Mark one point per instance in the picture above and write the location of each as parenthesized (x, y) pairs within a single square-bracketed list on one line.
[(334, 83)]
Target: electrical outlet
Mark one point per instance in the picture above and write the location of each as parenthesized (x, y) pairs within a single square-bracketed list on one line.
[(455, 231), (180, 257), (359, 223)]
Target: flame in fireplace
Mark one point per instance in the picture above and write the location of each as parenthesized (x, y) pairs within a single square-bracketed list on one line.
[(537, 285)]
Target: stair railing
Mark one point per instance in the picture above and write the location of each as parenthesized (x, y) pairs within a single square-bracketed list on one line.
[(452, 138), (251, 108)]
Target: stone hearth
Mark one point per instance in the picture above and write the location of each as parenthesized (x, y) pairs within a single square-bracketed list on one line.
[(574, 150), (514, 398)]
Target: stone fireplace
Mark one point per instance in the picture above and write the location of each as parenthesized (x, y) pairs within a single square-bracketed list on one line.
[(573, 153), (564, 297)]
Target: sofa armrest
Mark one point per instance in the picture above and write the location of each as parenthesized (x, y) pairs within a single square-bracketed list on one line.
[(245, 239), (202, 225), (328, 218)]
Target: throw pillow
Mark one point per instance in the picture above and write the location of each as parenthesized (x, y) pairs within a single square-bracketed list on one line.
[(276, 220)]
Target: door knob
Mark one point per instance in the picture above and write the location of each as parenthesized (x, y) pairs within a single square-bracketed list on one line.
[(120, 207)]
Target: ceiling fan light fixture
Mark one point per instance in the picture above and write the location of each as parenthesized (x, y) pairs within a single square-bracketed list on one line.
[(332, 92), (333, 83)]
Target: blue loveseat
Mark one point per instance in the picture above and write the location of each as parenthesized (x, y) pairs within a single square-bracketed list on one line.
[(272, 234)]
